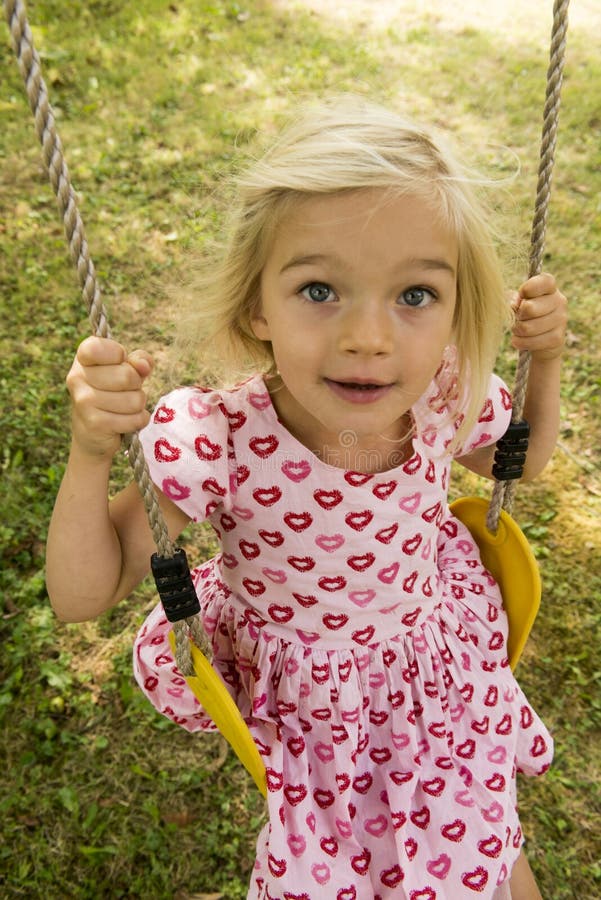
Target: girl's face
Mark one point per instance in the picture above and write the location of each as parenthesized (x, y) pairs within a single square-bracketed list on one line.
[(357, 298)]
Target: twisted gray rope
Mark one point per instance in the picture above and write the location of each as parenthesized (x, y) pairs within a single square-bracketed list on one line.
[(58, 173), (504, 491)]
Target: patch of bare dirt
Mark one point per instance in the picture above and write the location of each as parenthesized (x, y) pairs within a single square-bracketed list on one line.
[(512, 17)]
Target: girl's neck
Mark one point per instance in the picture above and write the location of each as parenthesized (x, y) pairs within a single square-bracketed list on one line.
[(369, 454)]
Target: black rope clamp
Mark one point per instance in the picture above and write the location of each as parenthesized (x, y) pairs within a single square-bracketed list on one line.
[(174, 584), (510, 454)]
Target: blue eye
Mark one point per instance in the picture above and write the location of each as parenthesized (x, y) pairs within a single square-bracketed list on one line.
[(418, 297), (317, 292)]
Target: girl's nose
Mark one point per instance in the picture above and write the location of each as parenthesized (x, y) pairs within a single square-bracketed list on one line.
[(366, 329)]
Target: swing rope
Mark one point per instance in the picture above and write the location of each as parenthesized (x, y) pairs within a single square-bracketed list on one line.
[(58, 173), (187, 622), (504, 491)]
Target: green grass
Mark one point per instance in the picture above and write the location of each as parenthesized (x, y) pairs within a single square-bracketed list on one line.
[(156, 103)]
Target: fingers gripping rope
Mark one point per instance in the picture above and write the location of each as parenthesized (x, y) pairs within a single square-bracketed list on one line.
[(504, 491), (58, 173)]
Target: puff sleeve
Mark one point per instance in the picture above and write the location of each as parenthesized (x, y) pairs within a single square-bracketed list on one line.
[(493, 420), (186, 447)]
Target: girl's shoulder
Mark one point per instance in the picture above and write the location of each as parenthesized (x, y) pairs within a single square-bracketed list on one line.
[(194, 403)]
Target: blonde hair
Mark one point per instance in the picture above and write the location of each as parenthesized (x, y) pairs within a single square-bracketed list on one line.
[(349, 144)]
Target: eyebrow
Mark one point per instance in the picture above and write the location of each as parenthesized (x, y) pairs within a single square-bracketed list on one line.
[(309, 260), (436, 264)]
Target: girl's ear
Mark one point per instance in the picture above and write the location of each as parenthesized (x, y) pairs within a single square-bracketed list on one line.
[(259, 326)]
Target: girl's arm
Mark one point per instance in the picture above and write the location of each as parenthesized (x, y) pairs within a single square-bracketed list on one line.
[(540, 326), (98, 551)]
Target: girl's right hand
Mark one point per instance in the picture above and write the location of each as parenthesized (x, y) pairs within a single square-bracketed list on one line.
[(105, 384)]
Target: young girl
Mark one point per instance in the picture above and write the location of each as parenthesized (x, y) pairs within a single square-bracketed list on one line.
[(349, 612)]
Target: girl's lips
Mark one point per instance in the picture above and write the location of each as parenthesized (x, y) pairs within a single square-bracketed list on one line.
[(354, 392)]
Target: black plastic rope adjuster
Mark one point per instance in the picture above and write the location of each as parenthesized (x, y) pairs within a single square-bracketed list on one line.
[(174, 584), (510, 454)]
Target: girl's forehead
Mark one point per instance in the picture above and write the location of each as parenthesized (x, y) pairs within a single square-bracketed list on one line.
[(375, 220)]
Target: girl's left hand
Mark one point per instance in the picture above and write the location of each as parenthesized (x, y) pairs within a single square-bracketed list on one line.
[(540, 318)]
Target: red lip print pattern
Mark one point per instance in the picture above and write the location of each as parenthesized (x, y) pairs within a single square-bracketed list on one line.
[(254, 587), (487, 414), (267, 496), (491, 846), (343, 781), (328, 499), (539, 746), (526, 717), (242, 474), (506, 399), (432, 512), (206, 449), (296, 746), (398, 820), (364, 635), (334, 622), (263, 447), (336, 583), (383, 490), (378, 718), (164, 414), (359, 520), (361, 861), (454, 831), (385, 535), (467, 749), (274, 779), (165, 452), (235, 419), (323, 797), (362, 783), (392, 877), (361, 563), (349, 893), (409, 582), (302, 563), (357, 479), (305, 600), (280, 614), (249, 549), (295, 793), (411, 545), (413, 465), (298, 521), (420, 817), (277, 867), (434, 786), (496, 782), (476, 880), (273, 538)]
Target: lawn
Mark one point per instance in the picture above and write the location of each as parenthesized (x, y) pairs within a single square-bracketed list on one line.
[(156, 103)]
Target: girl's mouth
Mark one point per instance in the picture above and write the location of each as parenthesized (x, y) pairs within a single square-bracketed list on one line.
[(358, 392)]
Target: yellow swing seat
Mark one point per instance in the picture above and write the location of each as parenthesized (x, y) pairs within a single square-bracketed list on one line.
[(507, 556)]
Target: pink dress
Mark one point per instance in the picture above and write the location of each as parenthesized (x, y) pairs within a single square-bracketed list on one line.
[(365, 645)]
